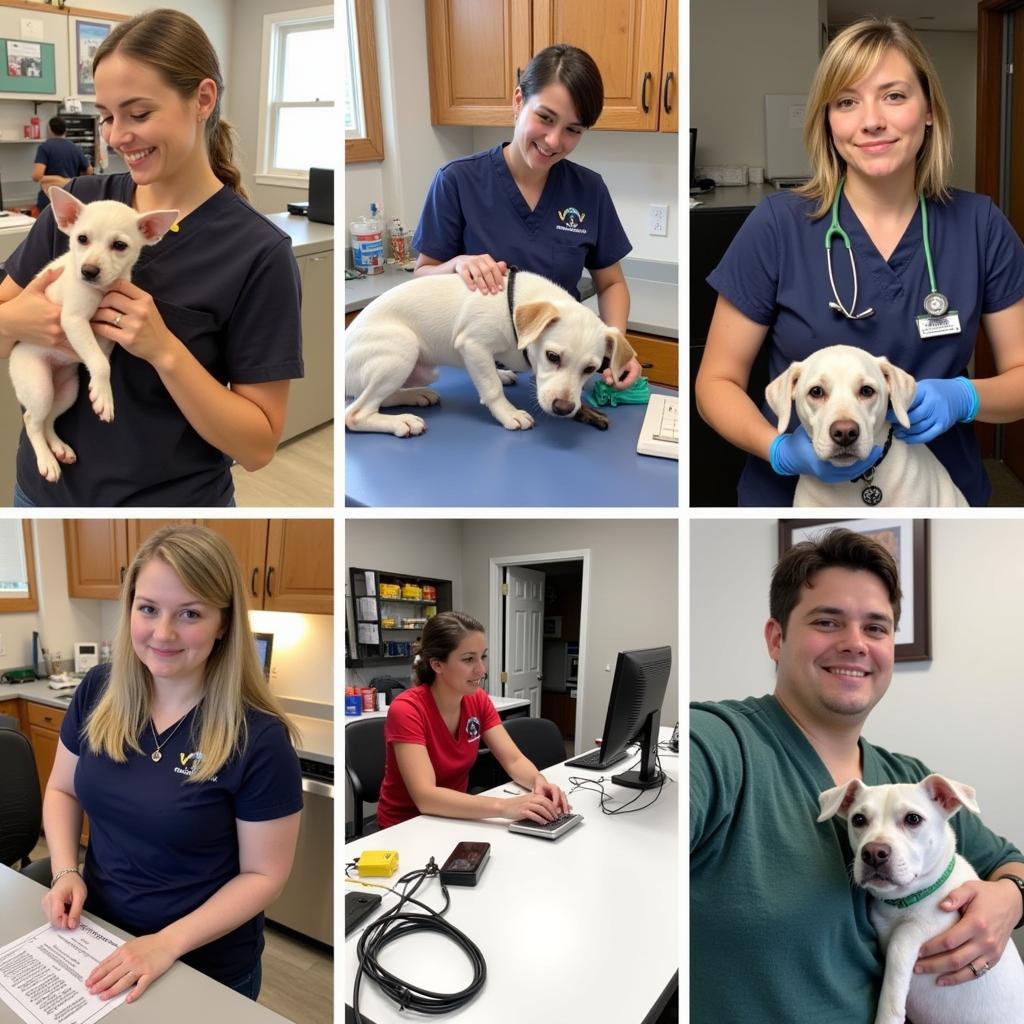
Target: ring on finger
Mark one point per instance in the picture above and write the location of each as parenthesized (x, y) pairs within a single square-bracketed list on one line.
[(117, 320)]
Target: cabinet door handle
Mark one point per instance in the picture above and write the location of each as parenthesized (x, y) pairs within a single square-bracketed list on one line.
[(252, 582), (270, 574), (124, 572), (519, 74), (664, 98), (643, 92)]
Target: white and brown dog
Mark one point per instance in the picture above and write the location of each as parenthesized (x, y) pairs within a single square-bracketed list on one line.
[(905, 857), (842, 395), (106, 240), (394, 345)]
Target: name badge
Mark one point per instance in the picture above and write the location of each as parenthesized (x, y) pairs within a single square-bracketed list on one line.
[(936, 326)]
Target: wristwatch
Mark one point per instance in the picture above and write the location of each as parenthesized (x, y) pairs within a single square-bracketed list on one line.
[(1019, 882)]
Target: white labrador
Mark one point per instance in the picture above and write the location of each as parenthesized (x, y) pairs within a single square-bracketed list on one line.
[(394, 345), (842, 394), (903, 844)]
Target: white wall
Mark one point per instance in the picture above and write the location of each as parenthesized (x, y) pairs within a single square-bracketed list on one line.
[(960, 713), (639, 167), (955, 56)]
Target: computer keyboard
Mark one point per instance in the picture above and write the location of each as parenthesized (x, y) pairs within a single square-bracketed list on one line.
[(550, 829), (593, 760), (659, 434)]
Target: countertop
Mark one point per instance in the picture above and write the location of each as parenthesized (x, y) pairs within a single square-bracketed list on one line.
[(307, 236), (39, 692), (653, 293), (732, 197)]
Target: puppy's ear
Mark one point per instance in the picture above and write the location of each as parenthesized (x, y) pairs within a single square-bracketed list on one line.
[(779, 394), (531, 318), (950, 795), (901, 389), (839, 799), (66, 208), (619, 350), (155, 224)]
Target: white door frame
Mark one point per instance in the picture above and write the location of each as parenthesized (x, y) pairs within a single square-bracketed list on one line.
[(496, 625)]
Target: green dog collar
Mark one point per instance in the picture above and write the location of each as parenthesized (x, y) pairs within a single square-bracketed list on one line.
[(909, 901)]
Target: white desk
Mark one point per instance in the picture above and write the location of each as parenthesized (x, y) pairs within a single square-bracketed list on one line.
[(580, 928), (503, 705), (182, 994)]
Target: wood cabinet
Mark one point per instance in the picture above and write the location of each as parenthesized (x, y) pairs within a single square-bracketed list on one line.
[(661, 353), (476, 49), (287, 565), (43, 724), (12, 708)]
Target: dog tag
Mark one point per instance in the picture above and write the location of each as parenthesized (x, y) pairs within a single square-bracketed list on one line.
[(871, 495), (937, 326)]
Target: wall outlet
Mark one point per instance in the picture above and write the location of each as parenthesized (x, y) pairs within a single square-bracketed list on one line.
[(657, 219)]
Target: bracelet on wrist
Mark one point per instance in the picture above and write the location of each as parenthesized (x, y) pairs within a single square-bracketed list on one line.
[(1019, 882), (60, 874)]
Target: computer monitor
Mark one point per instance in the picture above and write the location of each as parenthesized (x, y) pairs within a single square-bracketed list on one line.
[(634, 712), (264, 645)]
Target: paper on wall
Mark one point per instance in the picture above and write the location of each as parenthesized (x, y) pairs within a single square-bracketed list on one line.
[(368, 633), (42, 974)]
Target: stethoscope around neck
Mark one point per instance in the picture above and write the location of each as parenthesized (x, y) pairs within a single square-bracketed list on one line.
[(935, 303)]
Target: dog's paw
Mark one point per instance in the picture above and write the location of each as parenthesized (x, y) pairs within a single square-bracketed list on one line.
[(102, 399), (424, 397), (507, 377), (63, 452), (49, 468), (407, 425), (517, 419)]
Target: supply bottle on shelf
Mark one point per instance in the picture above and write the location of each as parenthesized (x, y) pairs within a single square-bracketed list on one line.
[(368, 242)]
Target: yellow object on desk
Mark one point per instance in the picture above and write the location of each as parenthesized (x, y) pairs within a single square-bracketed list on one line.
[(377, 863)]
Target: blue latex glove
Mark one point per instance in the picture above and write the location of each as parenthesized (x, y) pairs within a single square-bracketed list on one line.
[(794, 455), (938, 404)]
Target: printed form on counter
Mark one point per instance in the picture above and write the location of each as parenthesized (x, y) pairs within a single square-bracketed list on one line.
[(42, 974)]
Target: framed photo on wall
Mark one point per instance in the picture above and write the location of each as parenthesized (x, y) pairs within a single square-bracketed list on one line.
[(907, 541), (86, 36)]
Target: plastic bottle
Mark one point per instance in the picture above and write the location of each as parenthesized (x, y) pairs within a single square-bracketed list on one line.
[(36, 128), (368, 243)]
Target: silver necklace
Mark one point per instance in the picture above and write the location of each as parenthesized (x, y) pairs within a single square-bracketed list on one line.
[(156, 755)]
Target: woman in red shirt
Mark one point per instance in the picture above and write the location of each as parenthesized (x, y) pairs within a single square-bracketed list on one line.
[(433, 734)]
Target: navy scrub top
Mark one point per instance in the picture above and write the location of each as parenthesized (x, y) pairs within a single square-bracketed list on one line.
[(161, 846), (775, 273), (474, 206), (227, 285), (59, 156)]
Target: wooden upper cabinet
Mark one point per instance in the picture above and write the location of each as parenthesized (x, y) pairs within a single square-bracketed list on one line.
[(247, 539), (300, 566), (669, 98), (475, 49), (97, 557), (626, 39)]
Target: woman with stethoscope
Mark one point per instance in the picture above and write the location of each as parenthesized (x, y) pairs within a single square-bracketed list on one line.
[(878, 252)]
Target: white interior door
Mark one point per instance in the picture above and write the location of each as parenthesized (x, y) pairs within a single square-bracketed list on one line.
[(524, 634)]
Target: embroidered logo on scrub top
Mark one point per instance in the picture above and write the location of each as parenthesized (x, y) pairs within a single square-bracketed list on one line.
[(571, 219), (473, 728), (190, 763)]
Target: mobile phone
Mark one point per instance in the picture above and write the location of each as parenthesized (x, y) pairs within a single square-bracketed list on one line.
[(358, 906), (465, 864)]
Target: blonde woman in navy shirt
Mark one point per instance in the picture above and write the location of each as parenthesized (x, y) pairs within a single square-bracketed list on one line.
[(184, 763), (523, 204)]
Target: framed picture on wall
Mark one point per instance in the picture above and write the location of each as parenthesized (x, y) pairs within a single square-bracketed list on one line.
[(86, 38), (907, 541)]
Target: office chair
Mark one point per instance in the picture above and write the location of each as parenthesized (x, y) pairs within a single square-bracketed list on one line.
[(391, 686), (365, 752), (538, 738), (21, 806)]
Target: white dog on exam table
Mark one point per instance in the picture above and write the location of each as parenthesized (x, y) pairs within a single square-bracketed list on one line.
[(842, 395), (394, 345), (106, 240), (905, 857)]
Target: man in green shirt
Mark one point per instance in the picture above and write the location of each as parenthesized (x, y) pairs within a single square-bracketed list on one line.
[(778, 933)]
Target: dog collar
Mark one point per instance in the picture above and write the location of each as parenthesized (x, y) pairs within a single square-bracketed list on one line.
[(872, 495), (909, 901), (510, 286)]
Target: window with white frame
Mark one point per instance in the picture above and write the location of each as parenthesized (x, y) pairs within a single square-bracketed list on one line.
[(297, 122)]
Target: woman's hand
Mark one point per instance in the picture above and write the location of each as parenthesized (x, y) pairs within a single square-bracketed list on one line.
[(548, 789), (31, 316), (129, 316), (988, 914), (794, 455), (138, 962), (633, 370), (534, 806), (481, 272), (938, 404), (63, 903)]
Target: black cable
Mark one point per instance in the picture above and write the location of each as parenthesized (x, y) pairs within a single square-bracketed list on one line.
[(597, 786), (394, 925)]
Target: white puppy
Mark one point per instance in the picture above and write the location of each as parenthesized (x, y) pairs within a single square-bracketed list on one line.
[(904, 848), (842, 394), (394, 345), (106, 239)]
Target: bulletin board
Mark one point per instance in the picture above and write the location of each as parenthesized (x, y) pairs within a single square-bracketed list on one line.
[(27, 66)]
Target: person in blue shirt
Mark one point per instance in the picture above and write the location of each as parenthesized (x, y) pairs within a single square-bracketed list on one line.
[(208, 331), (183, 761), (878, 135), (57, 160), (523, 204)]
